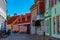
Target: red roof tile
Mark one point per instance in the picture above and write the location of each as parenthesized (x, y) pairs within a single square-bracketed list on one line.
[(12, 19)]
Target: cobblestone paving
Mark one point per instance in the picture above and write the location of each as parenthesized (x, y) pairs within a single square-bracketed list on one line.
[(25, 37), (17, 37)]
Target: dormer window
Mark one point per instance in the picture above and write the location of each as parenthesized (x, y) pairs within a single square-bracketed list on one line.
[(25, 17)]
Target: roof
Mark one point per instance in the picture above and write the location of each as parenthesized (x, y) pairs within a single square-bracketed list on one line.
[(28, 14), (33, 6), (12, 19)]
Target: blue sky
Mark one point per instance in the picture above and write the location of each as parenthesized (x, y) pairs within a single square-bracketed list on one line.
[(19, 6)]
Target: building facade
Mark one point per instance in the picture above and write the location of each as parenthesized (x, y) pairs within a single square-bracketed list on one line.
[(56, 20), (37, 14), (20, 24), (47, 22), (51, 23), (3, 14), (52, 19), (25, 22)]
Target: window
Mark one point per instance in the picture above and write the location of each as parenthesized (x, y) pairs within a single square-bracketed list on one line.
[(54, 25), (25, 17), (55, 10), (22, 19), (1, 25), (42, 23), (46, 12), (46, 26), (56, 1), (47, 4), (5, 25), (58, 24)]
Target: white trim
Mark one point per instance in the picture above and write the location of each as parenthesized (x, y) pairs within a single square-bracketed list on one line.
[(24, 23)]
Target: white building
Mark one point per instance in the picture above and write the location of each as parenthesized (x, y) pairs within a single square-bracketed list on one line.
[(3, 14)]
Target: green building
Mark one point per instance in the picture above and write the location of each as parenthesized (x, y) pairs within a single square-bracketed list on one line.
[(55, 25), (47, 21), (52, 21)]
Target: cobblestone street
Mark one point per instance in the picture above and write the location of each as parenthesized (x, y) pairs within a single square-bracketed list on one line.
[(24, 37), (18, 37)]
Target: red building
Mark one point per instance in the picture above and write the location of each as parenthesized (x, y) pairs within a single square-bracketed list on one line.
[(38, 9), (20, 23), (25, 23)]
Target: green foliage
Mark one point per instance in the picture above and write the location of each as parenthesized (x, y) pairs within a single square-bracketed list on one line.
[(8, 17)]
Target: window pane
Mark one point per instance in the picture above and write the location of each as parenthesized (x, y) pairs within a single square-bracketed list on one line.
[(59, 24), (57, 21), (54, 25), (55, 10), (47, 4)]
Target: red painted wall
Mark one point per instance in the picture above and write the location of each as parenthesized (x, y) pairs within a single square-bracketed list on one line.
[(24, 18), (28, 18)]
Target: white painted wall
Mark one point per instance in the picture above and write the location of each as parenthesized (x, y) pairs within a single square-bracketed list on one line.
[(33, 17), (32, 30), (1, 21), (3, 8), (2, 13), (57, 7), (39, 31)]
